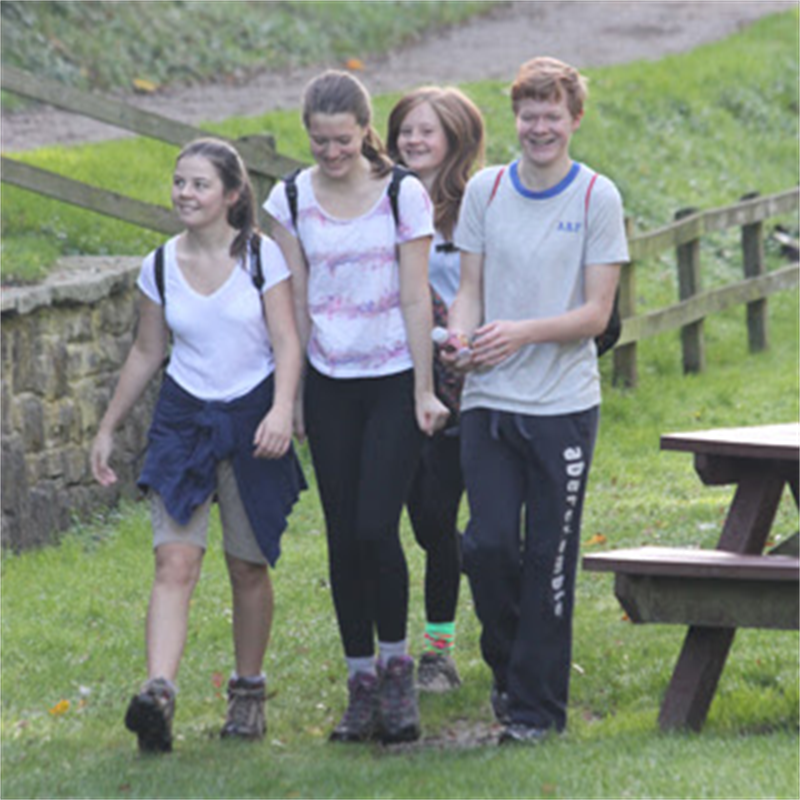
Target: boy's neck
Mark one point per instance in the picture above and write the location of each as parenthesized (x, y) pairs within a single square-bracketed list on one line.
[(541, 178)]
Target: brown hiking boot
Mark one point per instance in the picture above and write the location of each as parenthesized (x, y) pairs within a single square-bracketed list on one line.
[(399, 714), (245, 718), (150, 715), (437, 673), (360, 721)]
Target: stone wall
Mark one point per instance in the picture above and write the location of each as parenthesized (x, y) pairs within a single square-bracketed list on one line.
[(63, 344)]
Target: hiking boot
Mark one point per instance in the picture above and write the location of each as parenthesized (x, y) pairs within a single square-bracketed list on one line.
[(245, 719), (519, 733), (437, 672), (399, 714), (360, 721), (499, 700), (150, 715)]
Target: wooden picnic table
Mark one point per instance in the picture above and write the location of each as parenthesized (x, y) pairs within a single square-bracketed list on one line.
[(715, 591)]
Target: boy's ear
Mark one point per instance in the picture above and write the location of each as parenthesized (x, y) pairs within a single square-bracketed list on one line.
[(576, 121)]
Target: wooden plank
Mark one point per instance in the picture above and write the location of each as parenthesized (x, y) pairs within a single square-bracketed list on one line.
[(129, 118), (689, 285), (695, 678), (724, 470), (751, 514), (101, 201), (667, 237), (710, 602), (753, 264), (692, 563), (709, 302), (682, 231), (751, 210), (781, 441)]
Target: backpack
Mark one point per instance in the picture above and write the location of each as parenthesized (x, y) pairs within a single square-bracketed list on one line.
[(447, 384), (609, 337), (257, 274)]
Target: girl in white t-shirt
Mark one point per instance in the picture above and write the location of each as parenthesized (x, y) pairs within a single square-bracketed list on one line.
[(438, 133), (364, 312), (222, 427)]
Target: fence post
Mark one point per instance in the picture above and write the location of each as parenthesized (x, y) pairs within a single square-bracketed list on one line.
[(753, 263), (625, 372), (688, 258)]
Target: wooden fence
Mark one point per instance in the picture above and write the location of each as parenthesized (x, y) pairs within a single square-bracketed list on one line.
[(694, 304), (266, 166), (263, 162)]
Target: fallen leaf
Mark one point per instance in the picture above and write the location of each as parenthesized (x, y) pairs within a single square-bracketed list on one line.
[(144, 86), (355, 64), (61, 707), (598, 538)]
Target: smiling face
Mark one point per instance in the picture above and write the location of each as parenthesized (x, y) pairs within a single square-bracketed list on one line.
[(544, 130), (422, 141), (336, 142), (198, 193)]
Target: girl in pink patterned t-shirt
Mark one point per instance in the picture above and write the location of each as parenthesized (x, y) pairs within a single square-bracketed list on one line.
[(364, 310)]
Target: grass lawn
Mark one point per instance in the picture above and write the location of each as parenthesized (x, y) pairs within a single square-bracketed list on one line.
[(72, 621), (72, 632)]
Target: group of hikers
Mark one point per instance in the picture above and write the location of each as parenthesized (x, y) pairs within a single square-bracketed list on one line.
[(325, 332)]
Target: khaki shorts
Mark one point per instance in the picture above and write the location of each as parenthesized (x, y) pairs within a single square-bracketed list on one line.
[(238, 539)]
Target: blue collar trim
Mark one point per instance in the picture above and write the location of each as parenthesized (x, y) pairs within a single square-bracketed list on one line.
[(547, 193)]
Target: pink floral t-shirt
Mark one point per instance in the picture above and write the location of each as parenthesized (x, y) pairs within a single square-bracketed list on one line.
[(357, 329)]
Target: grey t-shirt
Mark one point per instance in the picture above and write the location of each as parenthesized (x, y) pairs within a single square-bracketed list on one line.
[(536, 246)]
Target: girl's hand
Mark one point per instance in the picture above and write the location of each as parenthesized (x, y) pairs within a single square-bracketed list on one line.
[(431, 413), (495, 342), (100, 455), (274, 434)]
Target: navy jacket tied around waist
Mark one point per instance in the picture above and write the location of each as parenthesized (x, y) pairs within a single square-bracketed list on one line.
[(188, 437)]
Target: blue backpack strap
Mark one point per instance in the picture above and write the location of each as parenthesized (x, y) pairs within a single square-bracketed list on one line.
[(159, 274)]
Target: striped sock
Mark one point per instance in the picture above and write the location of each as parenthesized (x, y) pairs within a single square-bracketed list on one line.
[(440, 637)]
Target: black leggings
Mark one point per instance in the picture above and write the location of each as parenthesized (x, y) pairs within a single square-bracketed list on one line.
[(433, 504), (365, 446)]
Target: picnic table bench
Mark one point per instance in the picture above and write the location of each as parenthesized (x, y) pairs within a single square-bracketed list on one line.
[(714, 592)]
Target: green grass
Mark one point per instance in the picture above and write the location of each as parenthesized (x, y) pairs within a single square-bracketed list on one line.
[(72, 629), (72, 622)]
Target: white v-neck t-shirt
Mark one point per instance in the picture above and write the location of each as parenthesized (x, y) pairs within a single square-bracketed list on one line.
[(221, 347)]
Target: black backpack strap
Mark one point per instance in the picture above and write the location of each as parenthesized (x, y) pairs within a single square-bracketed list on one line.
[(159, 274), (398, 174), (258, 271), (610, 336), (290, 186)]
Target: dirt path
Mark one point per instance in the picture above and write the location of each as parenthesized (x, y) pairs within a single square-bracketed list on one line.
[(590, 33)]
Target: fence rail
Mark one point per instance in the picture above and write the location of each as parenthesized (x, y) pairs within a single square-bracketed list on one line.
[(266, 166)]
